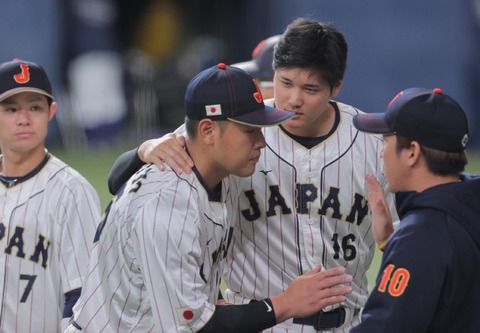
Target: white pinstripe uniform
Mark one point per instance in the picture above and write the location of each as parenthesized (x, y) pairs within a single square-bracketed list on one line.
[(277, 239), (47, 222), (158, 261)]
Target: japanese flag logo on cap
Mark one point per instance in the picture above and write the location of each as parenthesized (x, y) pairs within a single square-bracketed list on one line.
[(213, 110)]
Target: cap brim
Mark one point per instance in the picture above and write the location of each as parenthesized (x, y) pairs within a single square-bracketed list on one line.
[(268, 116), (371, 123), (248, 66), (15, 91)]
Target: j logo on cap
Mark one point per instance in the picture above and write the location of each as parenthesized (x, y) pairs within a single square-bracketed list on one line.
[(24, 76)]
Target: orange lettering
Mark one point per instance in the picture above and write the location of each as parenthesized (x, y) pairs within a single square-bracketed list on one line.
[(24, 75)]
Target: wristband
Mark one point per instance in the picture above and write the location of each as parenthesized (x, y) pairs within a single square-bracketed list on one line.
[(381, 246)]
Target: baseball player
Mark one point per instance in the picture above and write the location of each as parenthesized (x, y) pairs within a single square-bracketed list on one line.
[(428, 279), (49, 212), (158, 255), (306, 202), (260, 66)]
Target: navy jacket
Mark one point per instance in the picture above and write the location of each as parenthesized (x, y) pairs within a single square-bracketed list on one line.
[(429, 279)]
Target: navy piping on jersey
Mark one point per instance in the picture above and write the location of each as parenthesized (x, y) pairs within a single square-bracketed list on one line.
[(213, 195), (308, 142), (12, 181)]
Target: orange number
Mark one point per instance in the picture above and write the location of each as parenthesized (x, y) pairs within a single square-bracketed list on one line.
[(396, 282)]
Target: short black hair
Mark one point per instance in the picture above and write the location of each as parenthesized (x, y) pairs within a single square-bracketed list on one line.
[(315, 46), (438, 162)]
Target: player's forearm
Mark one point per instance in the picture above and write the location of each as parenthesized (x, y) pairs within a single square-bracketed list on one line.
[(252, 317), (259, 315), (123, 168)]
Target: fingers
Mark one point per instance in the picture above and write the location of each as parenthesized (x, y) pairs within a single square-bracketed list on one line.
[(177, 159), (313, 291), (146, 148), (382, 225), (376, 196), (334, 271), (372, 183), (331, 289), (167, 150), (334, 299), (333, 277), (327, 278), (180, 139), (314, 270), (159, 163)]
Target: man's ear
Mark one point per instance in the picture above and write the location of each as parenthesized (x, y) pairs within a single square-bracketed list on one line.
[(206, 130), (53, 109), (336, 88), (414, 152)]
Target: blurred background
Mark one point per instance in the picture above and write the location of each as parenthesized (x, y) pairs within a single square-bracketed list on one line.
[(119, 68)]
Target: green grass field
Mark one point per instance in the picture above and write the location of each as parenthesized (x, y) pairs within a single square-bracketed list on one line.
[(95, 166)]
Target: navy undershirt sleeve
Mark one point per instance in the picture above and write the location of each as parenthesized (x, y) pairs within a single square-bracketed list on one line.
[(252, 317), (70, 299), (123, 168)]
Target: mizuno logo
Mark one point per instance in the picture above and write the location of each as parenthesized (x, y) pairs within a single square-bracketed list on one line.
[(269, 308), (265, 171)]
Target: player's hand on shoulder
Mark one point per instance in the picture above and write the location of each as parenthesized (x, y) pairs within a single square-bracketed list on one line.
[(382, 224), (168, 149), (311, 292)]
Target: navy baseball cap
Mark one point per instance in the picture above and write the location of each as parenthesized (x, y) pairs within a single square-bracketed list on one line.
[(430, 117), (225, 92), (18, 76), (260, 66)]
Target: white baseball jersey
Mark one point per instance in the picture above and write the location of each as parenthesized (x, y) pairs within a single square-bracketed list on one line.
[(158, 259), (47, 223), (304, 207)]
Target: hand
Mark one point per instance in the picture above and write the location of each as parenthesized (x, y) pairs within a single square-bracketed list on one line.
[(221, 302), (167, 149), (382, 224), (311, 292)]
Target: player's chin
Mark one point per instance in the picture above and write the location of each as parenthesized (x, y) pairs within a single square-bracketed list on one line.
[(25, 145), (296, 121), (246, 170)]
